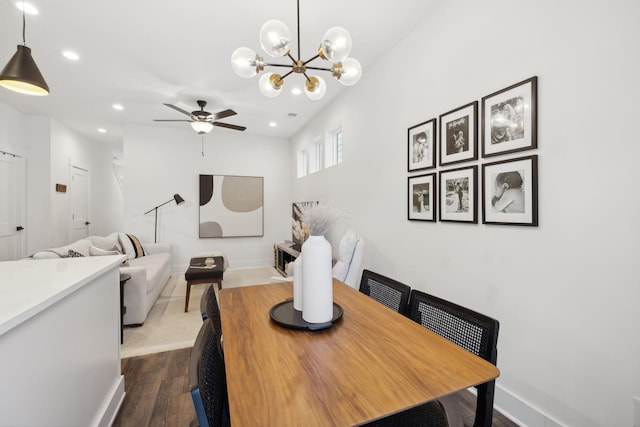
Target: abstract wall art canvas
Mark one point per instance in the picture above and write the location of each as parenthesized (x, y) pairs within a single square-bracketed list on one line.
[(231, 206)]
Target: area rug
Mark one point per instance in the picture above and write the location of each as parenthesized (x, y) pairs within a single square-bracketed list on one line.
[(168, 327)]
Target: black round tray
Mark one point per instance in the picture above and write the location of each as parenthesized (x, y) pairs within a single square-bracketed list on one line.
[(286, 316)]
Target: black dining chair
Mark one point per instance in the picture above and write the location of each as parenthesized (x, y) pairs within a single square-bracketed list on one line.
[(389, 292), (207, 379), (209, 307), (470, 330)]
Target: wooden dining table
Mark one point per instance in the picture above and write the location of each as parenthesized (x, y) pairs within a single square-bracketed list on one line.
[(371, 363)]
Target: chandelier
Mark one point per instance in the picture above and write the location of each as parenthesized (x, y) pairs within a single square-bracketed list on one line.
[(275, 39)]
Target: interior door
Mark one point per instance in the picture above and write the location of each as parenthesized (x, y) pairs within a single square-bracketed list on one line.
[(12, 207), (79, 194)]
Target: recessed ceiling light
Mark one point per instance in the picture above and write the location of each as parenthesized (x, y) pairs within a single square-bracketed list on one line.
[(69, 54), (273, 124), (118, 107), (28, 8), (102, 130), (296, 91)]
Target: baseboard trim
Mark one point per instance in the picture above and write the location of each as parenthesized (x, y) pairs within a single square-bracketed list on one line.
[(109, 411), (519, 411)]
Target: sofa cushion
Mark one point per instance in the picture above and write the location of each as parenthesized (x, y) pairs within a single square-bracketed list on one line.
[(154, 265)]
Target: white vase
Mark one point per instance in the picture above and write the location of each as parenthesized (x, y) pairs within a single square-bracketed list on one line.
[(297, 283), (317, 282)]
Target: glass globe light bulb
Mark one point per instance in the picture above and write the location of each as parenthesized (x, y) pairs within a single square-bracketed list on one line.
[(275, 38), (351, 72), (336, 44), (270, 85), (315, 88), (245, 62)]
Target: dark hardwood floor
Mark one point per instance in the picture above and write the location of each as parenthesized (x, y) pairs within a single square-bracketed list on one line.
[(157, 387)]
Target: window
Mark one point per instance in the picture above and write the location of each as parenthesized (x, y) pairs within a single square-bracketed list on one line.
[(315, 156), (334, 147)]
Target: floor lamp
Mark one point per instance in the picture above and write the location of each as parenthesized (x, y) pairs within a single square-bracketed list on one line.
[(179, 200)]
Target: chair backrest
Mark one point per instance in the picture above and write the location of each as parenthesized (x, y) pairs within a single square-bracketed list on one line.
[(207, 378), (209, 307), (470, 330), (349, 262), (389, 292)]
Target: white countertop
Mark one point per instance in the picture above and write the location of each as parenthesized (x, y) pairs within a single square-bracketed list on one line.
[(30, 286)]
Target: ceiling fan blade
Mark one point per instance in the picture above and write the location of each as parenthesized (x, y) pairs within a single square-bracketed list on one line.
[(227, 125), (162, 120), (178, 109), (223, 114)]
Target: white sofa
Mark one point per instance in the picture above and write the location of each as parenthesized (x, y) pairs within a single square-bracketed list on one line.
[(149, 273)]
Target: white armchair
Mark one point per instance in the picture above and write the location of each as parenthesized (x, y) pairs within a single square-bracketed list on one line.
[(348, 268)]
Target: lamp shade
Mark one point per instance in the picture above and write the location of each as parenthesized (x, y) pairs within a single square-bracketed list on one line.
[(21, 74), (351, 72), (245, 62), (270, 85), (179, 200), (336, 44), (202, 127), (315, 88), (275, 38)]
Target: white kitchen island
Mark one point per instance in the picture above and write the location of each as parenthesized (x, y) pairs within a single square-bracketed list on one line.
[(60, 342)]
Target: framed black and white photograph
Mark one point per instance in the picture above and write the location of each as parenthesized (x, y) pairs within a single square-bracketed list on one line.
[(421, 146), (458, 195), (459, 134), (421, 199), (510, 192), (509, 119)]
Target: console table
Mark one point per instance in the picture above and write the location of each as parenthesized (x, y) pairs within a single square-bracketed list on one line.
[(284, 254)]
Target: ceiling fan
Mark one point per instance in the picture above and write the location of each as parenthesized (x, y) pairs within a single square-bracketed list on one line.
[(203, 121)]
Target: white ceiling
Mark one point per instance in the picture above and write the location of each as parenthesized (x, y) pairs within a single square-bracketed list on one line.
[(143, 53)]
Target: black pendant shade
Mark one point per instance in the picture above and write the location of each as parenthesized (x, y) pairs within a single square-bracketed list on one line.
[(21, 74)]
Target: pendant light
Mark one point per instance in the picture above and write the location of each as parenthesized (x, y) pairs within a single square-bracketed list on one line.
[(21, 74), (275, 39)]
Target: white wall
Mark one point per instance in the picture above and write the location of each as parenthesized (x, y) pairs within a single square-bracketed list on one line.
[(160, 162), (49, 148), (566, 292)]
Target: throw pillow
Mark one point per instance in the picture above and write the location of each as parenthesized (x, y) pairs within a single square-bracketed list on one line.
[(131, 246), (95, 251), (73, 254), (136, 245)]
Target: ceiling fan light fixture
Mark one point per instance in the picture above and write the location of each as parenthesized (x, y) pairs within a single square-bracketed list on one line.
[(202, 127)]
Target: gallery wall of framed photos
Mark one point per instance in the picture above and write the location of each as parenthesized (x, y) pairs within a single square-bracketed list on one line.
[(444, 161)]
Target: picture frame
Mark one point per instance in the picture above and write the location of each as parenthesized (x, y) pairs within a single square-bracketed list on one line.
[(421, 198), (231, 206), (510, 192), (509, 119), (459, 134), (458, 195), (421, 146)]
